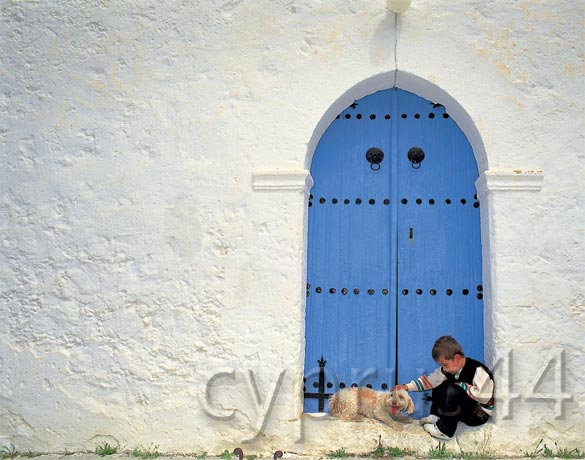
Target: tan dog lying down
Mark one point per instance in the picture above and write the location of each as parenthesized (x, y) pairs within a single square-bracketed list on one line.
[(353, 404)]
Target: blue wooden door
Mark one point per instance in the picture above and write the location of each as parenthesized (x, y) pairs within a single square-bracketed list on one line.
[(394, 247)]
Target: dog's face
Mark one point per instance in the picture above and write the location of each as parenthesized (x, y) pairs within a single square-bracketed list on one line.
[(398, 401)]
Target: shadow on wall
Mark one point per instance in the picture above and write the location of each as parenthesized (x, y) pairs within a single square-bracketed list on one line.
[(383, 44)]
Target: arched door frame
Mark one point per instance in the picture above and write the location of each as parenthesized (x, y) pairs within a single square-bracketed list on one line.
[(431, 92), (408, 82)]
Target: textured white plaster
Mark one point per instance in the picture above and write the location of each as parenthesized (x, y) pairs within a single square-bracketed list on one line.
[(140, 254)]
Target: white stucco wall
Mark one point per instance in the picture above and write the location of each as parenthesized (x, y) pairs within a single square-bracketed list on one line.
[(150, 252)]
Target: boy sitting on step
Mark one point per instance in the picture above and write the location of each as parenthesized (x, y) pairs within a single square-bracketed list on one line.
[(463, 390)]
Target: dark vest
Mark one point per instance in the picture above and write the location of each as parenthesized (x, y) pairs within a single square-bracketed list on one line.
[(468, 372)]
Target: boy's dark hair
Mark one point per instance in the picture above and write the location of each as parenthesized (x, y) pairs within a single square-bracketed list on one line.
[(446, 347)]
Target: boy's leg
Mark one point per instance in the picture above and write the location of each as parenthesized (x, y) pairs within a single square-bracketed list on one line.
[(447, 404), (452, 405), (472, 414)]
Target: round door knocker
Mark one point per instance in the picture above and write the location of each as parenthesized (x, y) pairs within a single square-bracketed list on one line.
[(416, 156), (374, 156)]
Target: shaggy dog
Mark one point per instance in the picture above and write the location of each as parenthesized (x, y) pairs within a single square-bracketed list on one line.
[(353, 404)]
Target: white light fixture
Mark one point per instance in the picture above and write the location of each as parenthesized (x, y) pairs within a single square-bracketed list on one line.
[(398, 6)]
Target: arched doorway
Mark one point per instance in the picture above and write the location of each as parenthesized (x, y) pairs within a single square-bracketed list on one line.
[(394, 246)]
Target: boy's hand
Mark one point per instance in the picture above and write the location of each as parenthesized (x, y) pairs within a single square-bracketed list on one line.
[(400, 387)]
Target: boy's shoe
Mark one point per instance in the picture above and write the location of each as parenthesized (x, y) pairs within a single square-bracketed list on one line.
[(432, 429), (429, 419)]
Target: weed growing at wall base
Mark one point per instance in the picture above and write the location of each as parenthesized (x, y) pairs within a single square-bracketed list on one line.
[(563, 452), (105, 449), (391, 452), (226, 455), (339, 453), (8, 451), (151, 452), (440, 452), (542, 450), (379, 452), (476, 455)]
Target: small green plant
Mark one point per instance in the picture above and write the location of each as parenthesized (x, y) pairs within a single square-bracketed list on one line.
[(201, 456), (8, 451), (105, 449), (379, 452), (398, 452), (562, 452), (226, 455), (536, 452), (547, 452), (151, 452), (391, 452), (440, 452), (476, 455), (250, 457), (339, 453)]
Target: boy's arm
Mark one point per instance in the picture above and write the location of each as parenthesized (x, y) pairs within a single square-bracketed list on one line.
[(427, 382), (482, 389)]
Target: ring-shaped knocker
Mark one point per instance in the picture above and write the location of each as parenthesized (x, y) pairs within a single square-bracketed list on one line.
[(374, 156), (416, 155)]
